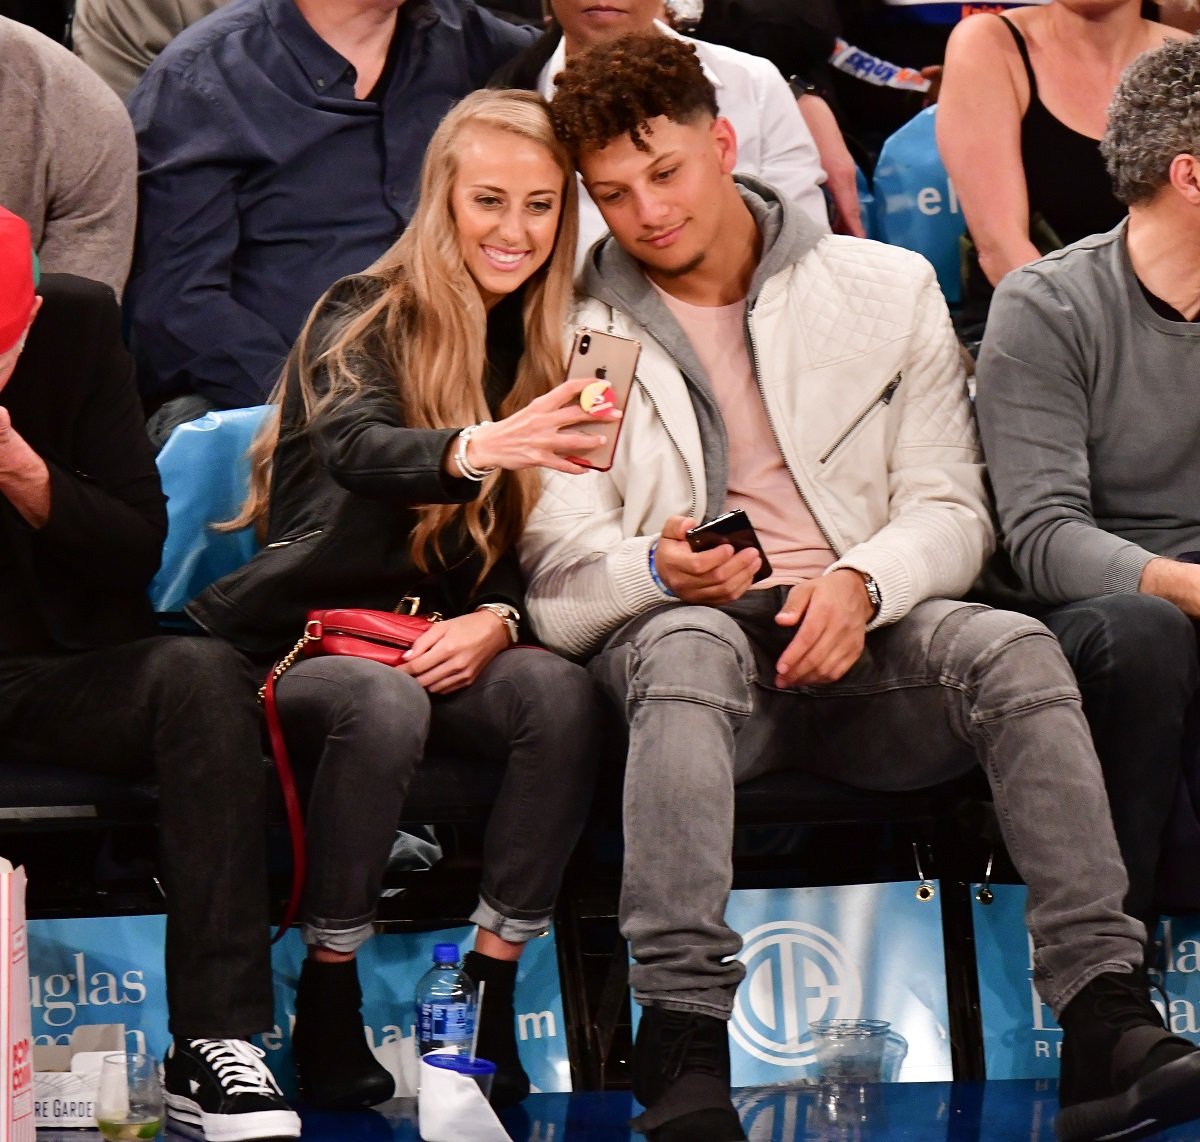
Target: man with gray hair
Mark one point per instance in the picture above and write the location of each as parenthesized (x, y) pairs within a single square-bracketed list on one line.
[(1090, 418)]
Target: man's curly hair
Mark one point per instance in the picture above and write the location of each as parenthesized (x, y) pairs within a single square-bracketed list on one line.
[(615, 89), (1154, 116)]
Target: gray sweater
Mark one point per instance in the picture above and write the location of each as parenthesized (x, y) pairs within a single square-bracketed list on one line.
[(1089, 410), (68, 162)]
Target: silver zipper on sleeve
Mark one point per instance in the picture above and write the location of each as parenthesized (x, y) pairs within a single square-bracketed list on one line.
[(884, 398), (779, 443), (288, 540)]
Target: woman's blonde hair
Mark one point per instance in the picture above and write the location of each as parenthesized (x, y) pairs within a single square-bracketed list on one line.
[(431, 325)]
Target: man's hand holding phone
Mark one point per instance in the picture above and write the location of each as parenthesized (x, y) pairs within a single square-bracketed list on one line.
[(708, 578), (831, 612)]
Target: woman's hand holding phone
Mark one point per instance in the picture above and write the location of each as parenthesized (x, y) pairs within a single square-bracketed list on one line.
[(539, 436), (709, 578)]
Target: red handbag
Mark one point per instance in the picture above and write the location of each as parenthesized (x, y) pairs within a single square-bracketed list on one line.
[(382, 636)]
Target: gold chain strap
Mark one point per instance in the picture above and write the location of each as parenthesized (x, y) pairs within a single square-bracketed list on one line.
[(289, 660)]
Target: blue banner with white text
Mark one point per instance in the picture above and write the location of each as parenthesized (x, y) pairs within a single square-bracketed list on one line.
[(110, 970), (1021, 1038)]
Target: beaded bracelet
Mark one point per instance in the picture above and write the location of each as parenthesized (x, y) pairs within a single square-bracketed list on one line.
[(469, 471), (655, 576)]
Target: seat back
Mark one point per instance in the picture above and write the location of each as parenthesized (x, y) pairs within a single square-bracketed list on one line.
[(915, 205), (205, 473)]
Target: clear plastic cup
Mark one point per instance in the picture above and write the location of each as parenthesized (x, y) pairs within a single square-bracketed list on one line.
[(849, 1050)]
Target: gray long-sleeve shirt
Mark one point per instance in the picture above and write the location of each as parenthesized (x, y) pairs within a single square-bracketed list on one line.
[(68, 162), (1089, 410)]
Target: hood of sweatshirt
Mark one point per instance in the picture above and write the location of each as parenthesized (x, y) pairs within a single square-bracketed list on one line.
[(615, 278)]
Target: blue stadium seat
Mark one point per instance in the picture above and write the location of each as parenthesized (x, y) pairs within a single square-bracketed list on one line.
[(915, 205)]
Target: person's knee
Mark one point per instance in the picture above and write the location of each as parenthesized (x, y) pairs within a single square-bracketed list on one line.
[(380, 712), (1007, 660), (693, 653), (1138, 642), (204, 673), (542, 685)]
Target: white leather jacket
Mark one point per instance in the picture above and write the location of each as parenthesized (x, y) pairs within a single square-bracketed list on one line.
[(864, 386)]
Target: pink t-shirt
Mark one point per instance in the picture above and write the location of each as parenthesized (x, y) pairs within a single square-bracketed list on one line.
[(759, 482)]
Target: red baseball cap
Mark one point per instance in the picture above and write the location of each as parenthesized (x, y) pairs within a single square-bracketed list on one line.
[(18, 276)]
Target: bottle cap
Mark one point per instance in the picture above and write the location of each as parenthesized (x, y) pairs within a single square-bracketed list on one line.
[(445, 953)]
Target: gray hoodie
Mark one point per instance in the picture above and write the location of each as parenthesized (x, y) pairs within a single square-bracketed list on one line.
[(614, 277)]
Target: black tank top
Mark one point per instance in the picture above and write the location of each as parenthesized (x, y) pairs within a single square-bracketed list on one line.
[(1065, 175)]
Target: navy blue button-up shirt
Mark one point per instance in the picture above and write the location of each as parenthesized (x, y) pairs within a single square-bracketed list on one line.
[(263, 179)]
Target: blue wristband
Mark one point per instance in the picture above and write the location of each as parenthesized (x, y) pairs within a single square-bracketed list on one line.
[(654, 574)]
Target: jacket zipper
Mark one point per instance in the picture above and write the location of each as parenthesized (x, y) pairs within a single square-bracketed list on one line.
[(670, 436), (779, 443), (884, 398), (288, 540)]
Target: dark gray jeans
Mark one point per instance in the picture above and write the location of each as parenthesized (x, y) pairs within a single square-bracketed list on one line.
[(949, 686), (180, 710), (360, 729)]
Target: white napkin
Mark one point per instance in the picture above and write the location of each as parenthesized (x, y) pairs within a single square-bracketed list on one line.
[(451, 1108)]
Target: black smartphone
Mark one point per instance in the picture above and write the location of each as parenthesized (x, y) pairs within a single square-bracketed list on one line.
[(735, 529), (612, 360)]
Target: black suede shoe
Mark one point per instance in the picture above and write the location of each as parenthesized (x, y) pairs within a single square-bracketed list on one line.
[(1122, 1073), (681, 1077), (498, 1026), (335, 1066)]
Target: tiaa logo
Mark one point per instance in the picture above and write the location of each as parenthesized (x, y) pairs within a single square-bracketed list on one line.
[(795, 973)]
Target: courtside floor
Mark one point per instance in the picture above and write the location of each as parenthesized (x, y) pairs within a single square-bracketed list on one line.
[(1009, 1111)]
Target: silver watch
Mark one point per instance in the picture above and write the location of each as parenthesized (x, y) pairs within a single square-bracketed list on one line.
[(509, 616), (873, 593)]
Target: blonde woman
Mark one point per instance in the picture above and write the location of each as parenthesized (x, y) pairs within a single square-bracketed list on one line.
[(415, 410)]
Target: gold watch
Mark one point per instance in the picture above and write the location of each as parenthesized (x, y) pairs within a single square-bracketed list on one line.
[(509, 616)]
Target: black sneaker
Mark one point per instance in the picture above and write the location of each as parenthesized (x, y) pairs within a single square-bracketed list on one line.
[(1122, 1073), (681, 1077), (221, 1090)]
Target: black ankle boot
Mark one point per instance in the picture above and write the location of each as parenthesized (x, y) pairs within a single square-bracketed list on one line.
[(681, 1077), (497, 1026), (1122, 1072), (336, 1067)]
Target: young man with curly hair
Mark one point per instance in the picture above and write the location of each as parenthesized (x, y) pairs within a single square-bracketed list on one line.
[(815, 382)]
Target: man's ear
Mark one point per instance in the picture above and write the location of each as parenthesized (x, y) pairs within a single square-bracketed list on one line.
[(725, 140), (1184, 174)]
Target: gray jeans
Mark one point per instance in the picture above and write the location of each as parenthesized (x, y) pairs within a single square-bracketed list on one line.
[(949, 686), (358, 729)]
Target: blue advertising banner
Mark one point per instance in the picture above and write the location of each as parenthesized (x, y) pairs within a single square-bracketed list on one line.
[(110, 970), (99, 970), (1020, 1036), (839, 952)]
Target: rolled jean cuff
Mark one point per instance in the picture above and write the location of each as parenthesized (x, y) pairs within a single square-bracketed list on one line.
[(717, 1003), (343, 940), (515, 931), (1058, 999)]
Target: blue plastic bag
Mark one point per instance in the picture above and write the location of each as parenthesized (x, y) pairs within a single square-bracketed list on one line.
[(205, 473)]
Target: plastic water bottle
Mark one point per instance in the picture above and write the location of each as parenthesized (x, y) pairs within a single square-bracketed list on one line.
[(445, 1005)]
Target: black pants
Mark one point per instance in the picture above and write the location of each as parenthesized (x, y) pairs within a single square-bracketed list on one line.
[(358, 730), (1134, 657), (182, 710)]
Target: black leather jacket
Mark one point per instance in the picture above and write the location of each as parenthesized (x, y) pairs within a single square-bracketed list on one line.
[(343, 494)]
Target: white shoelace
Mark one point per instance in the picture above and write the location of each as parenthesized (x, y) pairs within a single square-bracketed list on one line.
[(238, 1065)]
